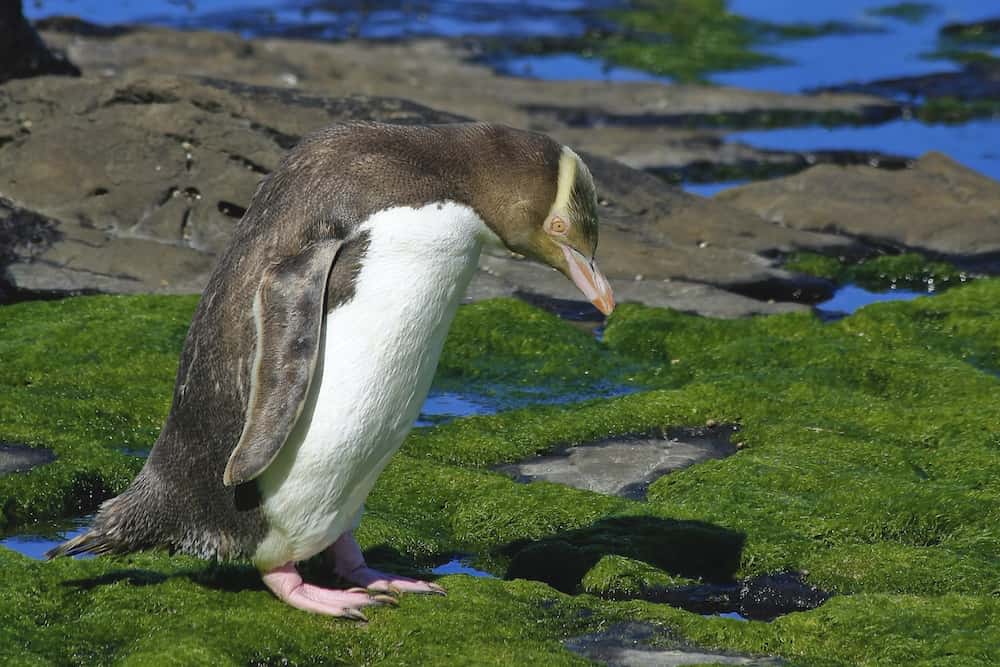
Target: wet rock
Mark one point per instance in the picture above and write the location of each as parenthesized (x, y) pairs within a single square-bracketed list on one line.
[(626, 466), (135, 184), (22, 51), (761, 598), (627, 645), (20, 458), (938, 207), (705, 156), (620, 120), (145, 177), (440, 73), (768, 596), (975, 81)]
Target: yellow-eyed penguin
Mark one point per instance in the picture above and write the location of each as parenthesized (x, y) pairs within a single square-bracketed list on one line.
[(316, 340)]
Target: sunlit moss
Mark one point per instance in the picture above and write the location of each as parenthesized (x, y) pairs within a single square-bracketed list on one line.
[(870, 459)]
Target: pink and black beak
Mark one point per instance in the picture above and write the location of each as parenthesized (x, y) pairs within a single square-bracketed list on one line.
[(585, 275)]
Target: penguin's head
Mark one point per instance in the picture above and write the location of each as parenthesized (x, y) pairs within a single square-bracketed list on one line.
[(562, 231)]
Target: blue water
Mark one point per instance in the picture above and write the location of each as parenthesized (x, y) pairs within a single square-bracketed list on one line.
[(441, 407), (711, 189), (850, 298), (836, 59), (572, 66), (975, 144), (461, 566), (337, 20), (34, 541)]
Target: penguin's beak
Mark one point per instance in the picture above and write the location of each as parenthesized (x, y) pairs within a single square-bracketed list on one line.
[(585, 275)]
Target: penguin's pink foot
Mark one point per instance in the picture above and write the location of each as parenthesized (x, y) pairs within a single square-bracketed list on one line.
[(288, 586), (349, 564)]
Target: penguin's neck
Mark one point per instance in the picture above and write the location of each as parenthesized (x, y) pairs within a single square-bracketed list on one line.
[(437, 237)]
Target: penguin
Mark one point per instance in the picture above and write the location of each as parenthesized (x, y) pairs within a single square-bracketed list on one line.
[(317, 336)]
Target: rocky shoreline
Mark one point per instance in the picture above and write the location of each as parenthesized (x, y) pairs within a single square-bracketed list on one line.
[(151, 157)]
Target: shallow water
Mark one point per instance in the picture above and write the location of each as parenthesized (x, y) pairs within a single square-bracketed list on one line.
[(35, 539), (461, 566), (850, 298), (975, 144), (571, 66), (442, 407), (338, 19), (710, 189), (893, 48)]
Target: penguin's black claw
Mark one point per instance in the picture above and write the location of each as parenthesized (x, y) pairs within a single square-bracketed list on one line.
[(354, 615)]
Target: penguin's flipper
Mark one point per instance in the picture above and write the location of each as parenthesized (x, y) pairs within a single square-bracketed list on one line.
[(288, 315)]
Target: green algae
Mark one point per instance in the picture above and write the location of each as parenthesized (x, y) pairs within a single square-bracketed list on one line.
[(689, 39), (910, 12), (685, 39), (871, 460), (954, 110), (87, 378), (908, 270)]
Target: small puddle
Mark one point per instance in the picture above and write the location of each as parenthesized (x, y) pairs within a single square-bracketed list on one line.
[(443, 407), (446, 406), (461, 566), (710, 189), (570, 67), (35, 539), (733, 615), (849, 298)]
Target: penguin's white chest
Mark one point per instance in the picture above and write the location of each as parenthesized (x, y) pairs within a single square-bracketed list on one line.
[(378, 354)]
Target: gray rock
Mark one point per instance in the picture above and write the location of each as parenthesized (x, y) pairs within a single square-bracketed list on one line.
[(939, 207), (134, 184), (626, 466), (21, 458), (626, 645)]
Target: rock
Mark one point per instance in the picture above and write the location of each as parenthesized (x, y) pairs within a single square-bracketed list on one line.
[(145, 177), (975, 81), (675, 128), (22, 52), (768, 596), (705, 155), (939, 207), (626, 466), (627, 645), (20, 458)]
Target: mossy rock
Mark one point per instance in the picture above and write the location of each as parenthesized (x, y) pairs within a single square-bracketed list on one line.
[(870, 460)]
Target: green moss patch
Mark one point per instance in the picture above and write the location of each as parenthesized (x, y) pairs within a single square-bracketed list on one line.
[(906, 271), (688, 39), (910, 12), (870, 461)]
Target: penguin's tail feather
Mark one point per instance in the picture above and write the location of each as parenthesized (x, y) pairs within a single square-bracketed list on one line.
[(117, 528), (92, 542)]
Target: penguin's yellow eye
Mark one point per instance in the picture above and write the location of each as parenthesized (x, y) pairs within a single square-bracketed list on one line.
[(558, 226)]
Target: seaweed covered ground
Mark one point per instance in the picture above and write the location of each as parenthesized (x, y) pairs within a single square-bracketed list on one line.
[(868, 465)]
